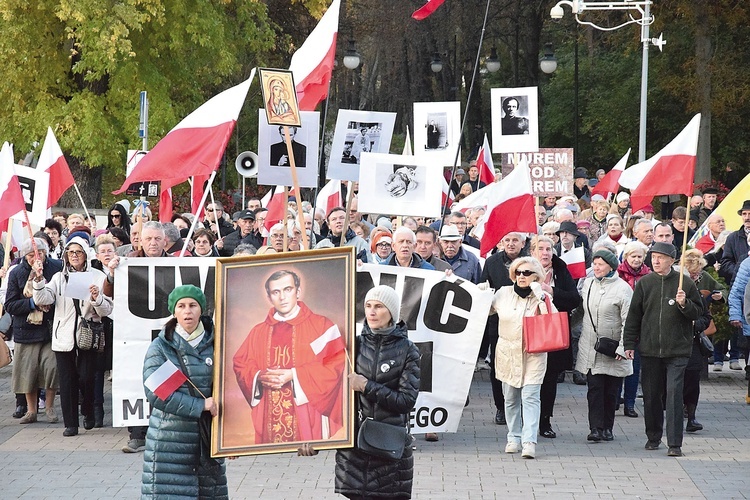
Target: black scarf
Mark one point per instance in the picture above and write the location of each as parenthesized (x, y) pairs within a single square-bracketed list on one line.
[(521, 292)]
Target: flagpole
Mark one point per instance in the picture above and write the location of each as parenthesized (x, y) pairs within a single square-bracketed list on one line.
[(349, 196), (684, 246), (86, 210), (195, 215), (8, 244), (321, 158), (295, 184), (466, 111)]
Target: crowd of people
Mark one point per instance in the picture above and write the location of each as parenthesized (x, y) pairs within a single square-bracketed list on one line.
[(632, 299)]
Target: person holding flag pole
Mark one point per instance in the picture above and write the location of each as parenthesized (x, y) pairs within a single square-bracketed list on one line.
[(178, 381)]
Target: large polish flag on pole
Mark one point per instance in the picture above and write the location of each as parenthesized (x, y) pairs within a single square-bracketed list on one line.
[(610, 183), (670, 171), (195, 146), (484, 163), (510, 207), (312, 63), (52, 161)]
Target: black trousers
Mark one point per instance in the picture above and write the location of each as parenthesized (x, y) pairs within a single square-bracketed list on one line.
[(548, 393), (662, 380), (75, 370), (497, 386), (691, 390), (602, 398)]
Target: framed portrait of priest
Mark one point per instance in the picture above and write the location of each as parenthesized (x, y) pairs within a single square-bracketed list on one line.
[(282, 352)]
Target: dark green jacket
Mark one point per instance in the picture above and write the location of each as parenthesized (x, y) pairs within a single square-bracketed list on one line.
[(656, 324), (172, 464)]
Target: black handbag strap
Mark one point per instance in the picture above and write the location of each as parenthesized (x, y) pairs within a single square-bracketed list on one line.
[(588, 306)]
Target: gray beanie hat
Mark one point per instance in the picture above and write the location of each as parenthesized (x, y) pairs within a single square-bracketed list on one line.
[(608, 257), (388, 297), (27, 247)]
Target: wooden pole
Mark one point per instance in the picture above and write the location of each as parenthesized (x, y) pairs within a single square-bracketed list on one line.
[(349, 197), (684, 244), (295, 184), (283, 219)]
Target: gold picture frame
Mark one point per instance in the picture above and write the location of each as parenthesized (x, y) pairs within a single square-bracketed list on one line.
[(281, 374), (279, 97)]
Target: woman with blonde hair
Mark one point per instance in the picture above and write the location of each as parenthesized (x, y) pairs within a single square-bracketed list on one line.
[(521, 373), (711, 291)]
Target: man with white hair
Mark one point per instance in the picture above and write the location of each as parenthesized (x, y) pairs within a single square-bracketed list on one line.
[(404, 243), (643, 231), (716, 224)]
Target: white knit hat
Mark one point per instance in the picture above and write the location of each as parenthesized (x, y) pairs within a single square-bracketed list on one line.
[(388, 297)]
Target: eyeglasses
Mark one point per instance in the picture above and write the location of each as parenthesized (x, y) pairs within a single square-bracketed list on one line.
[(75, 252), (459, 224), (211, 210), (277, 235), (384, 245), (525, 272), (115, 216)]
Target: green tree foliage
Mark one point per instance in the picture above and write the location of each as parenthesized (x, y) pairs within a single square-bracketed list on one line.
[(79, 67)]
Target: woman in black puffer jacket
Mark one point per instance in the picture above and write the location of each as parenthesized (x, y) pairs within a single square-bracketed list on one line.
[(387, 380)]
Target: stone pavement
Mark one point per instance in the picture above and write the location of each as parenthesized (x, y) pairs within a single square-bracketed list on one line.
[(39, 463)]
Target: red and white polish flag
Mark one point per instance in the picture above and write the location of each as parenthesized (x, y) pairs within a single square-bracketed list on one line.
[(274, 202), (485, 164), (576, 261), (52, 161), (670, 171), (510, 207), (330, 196), (312, 63), (195, 146), (165, 380), (610, 183), (11, 197)]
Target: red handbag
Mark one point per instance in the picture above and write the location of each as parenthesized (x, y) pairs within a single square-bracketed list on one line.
[(546, 332)]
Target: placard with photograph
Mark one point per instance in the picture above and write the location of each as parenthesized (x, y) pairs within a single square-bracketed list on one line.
[(35, 188), (400, 185), (273, 156), (358, 132), (515, 120), (437, 131), (281, 377), (280, 97)]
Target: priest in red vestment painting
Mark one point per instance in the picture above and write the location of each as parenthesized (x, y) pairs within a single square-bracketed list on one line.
[(290, 368)]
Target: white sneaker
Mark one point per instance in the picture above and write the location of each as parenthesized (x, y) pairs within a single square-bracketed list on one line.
[(529, 450), (512, 447), (734, 365), (41, 404), (718, 367)]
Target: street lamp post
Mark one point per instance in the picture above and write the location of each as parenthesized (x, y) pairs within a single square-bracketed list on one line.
[(643, 8)]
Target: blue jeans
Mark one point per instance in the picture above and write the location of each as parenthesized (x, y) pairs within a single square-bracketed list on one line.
[(522, 409), (720, 349)]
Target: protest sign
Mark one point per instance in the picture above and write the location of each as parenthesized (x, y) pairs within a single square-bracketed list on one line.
[(551, 170)]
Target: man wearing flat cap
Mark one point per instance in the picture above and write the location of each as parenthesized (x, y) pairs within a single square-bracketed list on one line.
[(243, 234), (660, 326), (707, 206)]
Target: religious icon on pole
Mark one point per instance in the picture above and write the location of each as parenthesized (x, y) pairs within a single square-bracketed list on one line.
[(280, 98)]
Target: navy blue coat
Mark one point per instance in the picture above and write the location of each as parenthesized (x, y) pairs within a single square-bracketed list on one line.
[(19, 306)]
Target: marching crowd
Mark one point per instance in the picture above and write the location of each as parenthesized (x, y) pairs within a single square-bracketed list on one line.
[(634, 320)]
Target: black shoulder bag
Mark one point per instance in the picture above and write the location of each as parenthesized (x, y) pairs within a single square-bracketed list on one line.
[(604, 345)]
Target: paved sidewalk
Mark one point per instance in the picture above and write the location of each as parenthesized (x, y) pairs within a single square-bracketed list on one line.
[(39, 463)]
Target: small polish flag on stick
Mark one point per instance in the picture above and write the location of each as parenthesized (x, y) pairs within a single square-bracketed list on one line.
[(165, 380), (330, 196), (576, 261), (484, 163)]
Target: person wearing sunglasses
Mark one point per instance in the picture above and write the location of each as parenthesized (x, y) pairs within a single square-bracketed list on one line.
[(520, 372), (75, 367)]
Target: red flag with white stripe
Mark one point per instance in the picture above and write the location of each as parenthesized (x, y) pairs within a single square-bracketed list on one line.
[(510, 207), (670, 171), (312, 63), (165, 380), (52, 161), (165, 206), (11, 197), (485, 164), (610, 183), (330, 196), (195, 146), (274, 202), (576, 261)]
